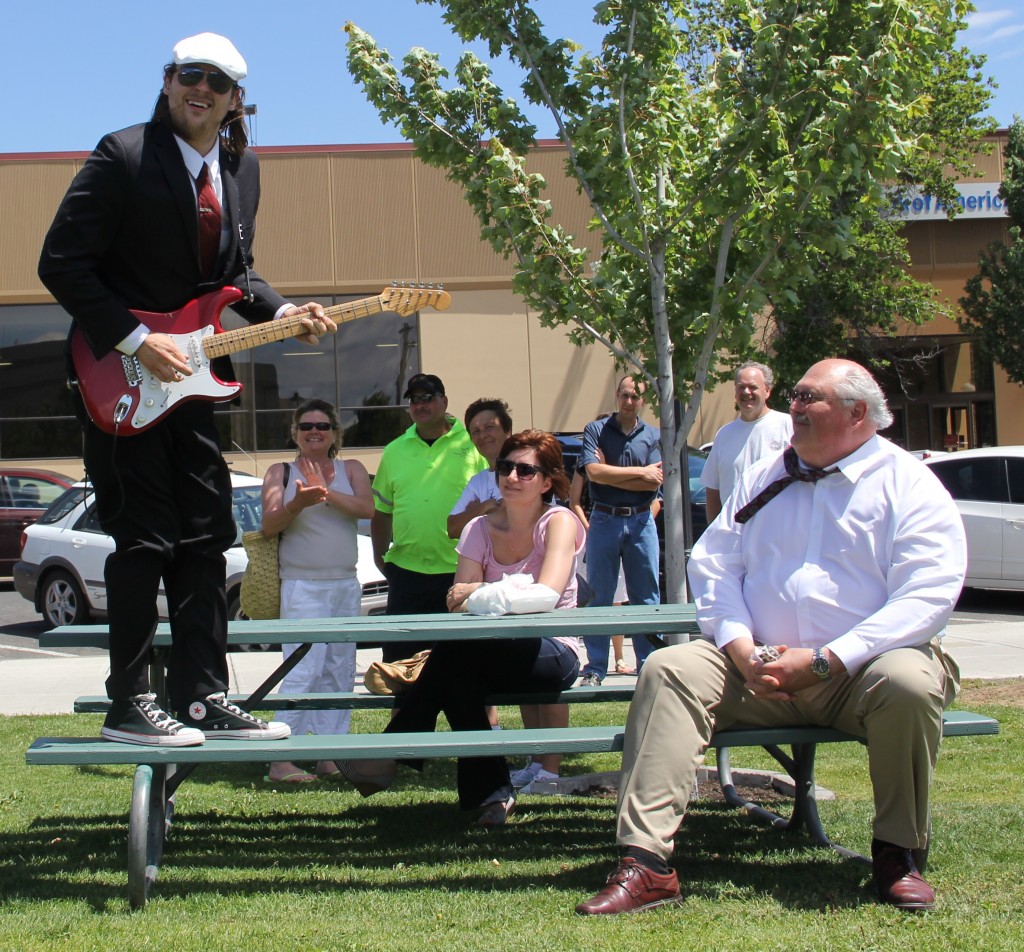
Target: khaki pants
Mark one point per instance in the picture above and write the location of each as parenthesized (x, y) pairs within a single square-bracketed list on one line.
[(687, 691)]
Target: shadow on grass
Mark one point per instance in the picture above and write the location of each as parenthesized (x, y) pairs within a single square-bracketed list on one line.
[(402, 841)]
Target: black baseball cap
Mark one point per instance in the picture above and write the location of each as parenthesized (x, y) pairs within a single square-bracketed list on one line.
[(427, 382)]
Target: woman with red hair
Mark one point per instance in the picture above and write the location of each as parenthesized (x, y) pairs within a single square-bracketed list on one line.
[(519, 558)]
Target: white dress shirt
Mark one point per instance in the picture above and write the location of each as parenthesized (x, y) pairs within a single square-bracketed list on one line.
[(867, 559), (194, 162)]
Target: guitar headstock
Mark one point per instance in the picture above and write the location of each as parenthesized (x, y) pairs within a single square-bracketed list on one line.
[(407, 299)]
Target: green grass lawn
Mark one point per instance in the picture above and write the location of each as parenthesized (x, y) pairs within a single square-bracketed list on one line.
[(252, 865)]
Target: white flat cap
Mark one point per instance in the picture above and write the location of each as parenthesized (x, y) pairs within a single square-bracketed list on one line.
[(211, 48)]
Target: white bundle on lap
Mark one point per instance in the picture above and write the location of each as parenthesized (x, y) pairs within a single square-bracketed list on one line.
[(513, 595)]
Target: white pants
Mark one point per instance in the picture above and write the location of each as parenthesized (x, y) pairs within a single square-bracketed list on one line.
[(327, 668)]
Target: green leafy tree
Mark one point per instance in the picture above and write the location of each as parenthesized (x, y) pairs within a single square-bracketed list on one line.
[(711, 140), (994, 303), (863, 302)]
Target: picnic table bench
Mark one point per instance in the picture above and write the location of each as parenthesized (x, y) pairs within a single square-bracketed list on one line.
[(160, 771)]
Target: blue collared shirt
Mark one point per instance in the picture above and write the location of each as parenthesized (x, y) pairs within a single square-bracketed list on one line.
[(639, 448)]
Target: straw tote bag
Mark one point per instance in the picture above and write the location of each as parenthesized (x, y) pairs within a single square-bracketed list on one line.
[(260, 594)]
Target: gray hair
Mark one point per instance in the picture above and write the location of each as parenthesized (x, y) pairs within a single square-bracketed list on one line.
[(766, 372), (854, 383)]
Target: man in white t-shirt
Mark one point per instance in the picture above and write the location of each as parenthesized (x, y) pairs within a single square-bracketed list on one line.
[(758, 431)]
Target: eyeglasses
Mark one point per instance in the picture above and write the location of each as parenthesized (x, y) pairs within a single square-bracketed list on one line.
[(320, 427), (421, 398), (219, 82), (504, 467), (805, 397)]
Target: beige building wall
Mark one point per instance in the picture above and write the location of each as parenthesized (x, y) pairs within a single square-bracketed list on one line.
[(350, 220)]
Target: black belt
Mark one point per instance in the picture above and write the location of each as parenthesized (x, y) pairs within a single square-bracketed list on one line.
[(620, 510)]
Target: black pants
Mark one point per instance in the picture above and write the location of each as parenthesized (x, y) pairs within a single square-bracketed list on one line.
[(457, 678), (165, 497), (414, 593)]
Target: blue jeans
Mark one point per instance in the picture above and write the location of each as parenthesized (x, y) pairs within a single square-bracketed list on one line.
[(634, 541)]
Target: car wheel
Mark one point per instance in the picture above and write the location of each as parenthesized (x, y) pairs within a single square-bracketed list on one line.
[(235, 613), (63, 600)]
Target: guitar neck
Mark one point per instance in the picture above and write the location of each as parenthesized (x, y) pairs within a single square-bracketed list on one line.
[(269, 332)]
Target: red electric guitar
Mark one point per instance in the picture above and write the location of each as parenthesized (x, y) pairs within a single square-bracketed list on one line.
[(123, 398)]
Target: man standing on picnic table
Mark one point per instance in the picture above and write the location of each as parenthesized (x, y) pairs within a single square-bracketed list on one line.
[(160, 214), (846, 555)]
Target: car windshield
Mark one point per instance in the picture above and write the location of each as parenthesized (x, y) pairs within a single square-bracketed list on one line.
[(247, 507), (63, 504)]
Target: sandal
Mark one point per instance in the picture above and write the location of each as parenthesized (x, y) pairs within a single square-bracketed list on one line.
[(496, 813), (622, 668), (293, 775)]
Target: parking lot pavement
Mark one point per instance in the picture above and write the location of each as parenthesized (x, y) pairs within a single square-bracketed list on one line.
[(989, 649)]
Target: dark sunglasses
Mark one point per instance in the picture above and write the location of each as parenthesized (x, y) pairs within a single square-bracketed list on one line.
[(321, 427), (219, 82), (421, 398), (805, 397), (504, 467)]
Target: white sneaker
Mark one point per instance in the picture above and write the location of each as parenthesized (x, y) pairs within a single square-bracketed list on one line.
[(523, 778), (540, 779)]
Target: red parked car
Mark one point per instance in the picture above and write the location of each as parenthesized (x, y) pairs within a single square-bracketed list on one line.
[(25, 495)]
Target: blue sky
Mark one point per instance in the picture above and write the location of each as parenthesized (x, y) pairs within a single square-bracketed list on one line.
[(75, 70)]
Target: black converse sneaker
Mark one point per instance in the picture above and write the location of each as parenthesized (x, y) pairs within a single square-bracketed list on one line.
[(216, 716), (140, 720)]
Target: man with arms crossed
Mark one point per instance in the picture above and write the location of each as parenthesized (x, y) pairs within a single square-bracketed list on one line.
[(853, 603), (622, 458)]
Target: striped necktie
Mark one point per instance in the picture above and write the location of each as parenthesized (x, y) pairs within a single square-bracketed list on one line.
[(795, 473)]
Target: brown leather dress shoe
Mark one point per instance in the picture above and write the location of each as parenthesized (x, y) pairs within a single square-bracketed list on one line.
[(632, 887), (896, 878)]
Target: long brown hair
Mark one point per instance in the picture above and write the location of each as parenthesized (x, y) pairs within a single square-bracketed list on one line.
[(234, 134)]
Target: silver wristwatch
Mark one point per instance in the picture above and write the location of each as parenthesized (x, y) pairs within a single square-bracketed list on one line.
[(819, 664)]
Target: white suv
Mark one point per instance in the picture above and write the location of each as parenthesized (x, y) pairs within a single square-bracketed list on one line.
[(63, 554), (988, 486)]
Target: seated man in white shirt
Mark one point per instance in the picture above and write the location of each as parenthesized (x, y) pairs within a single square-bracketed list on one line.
[(853, 603)]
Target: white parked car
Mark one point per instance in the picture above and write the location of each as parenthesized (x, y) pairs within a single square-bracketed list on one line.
[(63, 554), (988, 486)]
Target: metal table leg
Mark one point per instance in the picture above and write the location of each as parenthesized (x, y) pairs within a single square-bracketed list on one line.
[(178, 776), (800, 767), (147, 827)]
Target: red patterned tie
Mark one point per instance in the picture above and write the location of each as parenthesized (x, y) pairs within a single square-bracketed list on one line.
[(209, 222), (795, 474)]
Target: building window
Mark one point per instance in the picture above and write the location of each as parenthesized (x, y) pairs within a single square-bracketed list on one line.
[(362, 369), (36, 411)]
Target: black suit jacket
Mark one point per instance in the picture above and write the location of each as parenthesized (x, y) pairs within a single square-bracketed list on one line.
[(126, 236)]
